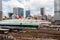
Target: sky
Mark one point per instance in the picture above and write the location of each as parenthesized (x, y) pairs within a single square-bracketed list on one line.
[(33, 5)]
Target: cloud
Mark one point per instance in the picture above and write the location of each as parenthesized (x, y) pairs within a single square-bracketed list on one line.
[(13, 3), (47, 4), (33, 5)]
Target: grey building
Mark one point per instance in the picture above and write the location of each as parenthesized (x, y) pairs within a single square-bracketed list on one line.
[(18, 12), (42, 11), (0, 10), (57, 11), (27, 13), (0, 5)]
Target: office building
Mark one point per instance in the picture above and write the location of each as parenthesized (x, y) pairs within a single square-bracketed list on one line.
[(42, 11), (0, 10), (27, 13), (57, 11), (44, 17), (0, 5), (10, 15), (18, 12)]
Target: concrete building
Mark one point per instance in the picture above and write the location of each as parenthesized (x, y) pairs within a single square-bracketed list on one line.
[(57, 11), (18, 12), (49, 17), (0, 10), (38, 16), (44, 17), (0, 5), (27, 13)]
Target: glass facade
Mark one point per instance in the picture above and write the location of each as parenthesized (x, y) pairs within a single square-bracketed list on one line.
[(10, 15), (42, 11), (27, 13), (20, 12)]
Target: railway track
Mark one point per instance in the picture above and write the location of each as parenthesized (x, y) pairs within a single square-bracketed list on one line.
[(34, 35)]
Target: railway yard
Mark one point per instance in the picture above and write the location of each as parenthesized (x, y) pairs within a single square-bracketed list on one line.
[(29, 30), (31, 35)]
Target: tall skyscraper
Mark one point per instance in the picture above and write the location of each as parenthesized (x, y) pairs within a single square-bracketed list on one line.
[(27, 13), (0, 10), (42, 11), (18, 12), (57, 10)]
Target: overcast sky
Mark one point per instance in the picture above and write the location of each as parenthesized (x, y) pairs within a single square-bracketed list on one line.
[(33, 5)]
